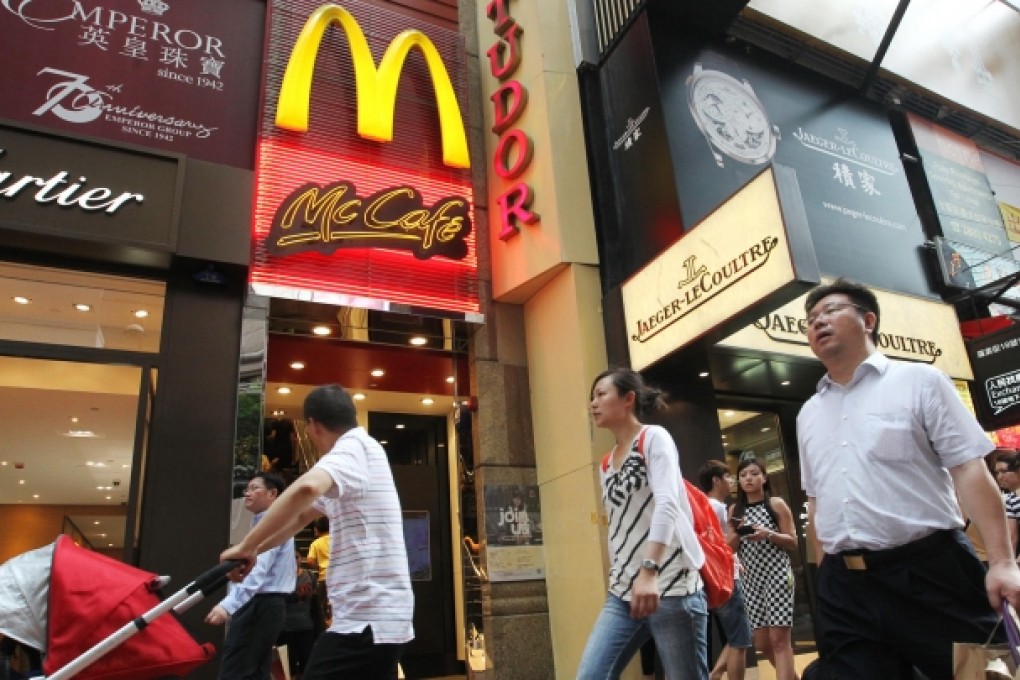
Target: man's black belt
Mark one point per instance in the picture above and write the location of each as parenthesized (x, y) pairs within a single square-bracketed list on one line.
[(861, 560)]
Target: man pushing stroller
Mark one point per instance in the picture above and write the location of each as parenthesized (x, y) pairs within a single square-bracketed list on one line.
[(370, 588)]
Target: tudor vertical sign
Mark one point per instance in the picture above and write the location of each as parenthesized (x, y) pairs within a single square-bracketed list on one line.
[(508, 103), (354, 205)]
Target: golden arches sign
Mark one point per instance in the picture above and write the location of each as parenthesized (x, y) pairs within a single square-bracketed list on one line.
[(376, 87)]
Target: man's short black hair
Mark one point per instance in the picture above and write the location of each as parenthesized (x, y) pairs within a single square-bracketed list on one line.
[(858, 294), (322, 525), (709, 472), (332, 407), (273, 481)]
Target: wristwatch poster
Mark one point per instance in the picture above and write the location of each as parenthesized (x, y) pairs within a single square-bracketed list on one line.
[(732, 118)]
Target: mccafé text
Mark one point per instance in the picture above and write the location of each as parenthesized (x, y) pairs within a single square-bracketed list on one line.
[(514, 150)]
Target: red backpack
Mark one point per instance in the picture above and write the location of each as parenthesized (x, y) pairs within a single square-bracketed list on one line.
[(717, 571)]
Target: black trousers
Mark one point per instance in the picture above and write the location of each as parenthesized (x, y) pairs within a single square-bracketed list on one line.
[(353, 656), (902, 612), (248, 649)]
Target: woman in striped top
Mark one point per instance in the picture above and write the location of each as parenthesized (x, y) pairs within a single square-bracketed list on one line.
[(655, 590)]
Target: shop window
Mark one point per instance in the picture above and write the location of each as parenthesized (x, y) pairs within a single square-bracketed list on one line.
[(79, 309)]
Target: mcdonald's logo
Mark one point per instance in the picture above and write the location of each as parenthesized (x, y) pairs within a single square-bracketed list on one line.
[(376, 87)]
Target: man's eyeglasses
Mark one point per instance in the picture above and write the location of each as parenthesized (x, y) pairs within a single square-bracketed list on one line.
[(253, 489), (831, 309)]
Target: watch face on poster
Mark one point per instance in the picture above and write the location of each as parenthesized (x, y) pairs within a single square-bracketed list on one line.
[(731, 117)]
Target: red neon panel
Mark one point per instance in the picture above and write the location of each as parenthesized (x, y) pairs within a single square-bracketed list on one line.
[(331, 152)]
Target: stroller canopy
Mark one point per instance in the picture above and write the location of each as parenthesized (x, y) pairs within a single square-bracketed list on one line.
[(83, 597)]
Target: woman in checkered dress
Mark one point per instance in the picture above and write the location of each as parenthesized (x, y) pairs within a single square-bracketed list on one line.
[(762, 526)]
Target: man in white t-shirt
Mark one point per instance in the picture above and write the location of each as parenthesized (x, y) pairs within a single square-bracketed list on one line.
[(370, 587)]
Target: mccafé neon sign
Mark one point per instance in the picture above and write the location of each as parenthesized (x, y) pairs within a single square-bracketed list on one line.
[(508, 103), (376, 87), (331, 217)]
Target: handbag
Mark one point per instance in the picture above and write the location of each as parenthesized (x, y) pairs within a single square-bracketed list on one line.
[(974, 661)]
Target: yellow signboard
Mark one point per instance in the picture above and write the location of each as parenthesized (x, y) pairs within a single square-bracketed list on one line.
[(912, 329), (376, 87), (736, 257)]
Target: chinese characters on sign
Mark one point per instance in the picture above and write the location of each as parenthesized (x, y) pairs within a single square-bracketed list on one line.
[(180, 75)]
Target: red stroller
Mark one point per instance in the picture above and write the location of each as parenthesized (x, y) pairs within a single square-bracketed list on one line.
[(76, 606)]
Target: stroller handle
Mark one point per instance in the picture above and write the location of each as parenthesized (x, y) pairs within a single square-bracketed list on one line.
[(210, 581)]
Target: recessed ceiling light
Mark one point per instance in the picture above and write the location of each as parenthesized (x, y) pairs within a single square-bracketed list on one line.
[(441, 445), (428, 401), (109, 545), (82, 307), (21, 300), (703, 374), (140, 313), (785, 383), (728, 414), (297, 365), (74, 419), (81, 434), (35, 495), (451, 379), (109, 498), (725, 443), (96, 522), (3, 462), (283, 390), (358, 396), (724, 436), (765, 429), (378, 373), (419, 340), (321, 330), (384, 442), (399, 426), (21, 481)]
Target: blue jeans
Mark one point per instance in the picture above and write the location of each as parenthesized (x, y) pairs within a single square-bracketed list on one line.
[(680, 629)]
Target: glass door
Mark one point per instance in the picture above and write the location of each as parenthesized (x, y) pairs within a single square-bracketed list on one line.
[(759, 435)]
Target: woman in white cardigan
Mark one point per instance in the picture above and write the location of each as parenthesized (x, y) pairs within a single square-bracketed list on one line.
[(655, 590)]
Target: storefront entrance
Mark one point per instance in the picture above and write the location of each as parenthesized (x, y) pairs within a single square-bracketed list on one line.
[(752, 429), (407, 375), (78, 369)]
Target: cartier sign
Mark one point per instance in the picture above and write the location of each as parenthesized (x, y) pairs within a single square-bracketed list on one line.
[(52, 186), (747, 251)]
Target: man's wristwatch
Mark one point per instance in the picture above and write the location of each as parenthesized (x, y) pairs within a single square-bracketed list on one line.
[(650, 564)]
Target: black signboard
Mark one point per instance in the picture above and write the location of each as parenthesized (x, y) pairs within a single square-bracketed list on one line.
[(995, 359), (963, 198), (55, 188), (728, 115)]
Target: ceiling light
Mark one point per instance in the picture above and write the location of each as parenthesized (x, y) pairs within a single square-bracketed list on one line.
[(384, 442), (283, 390), (725, 443), (321, 330), (785, 383), (109, 498), (21, 300), (140, 313), (297, 365), (428, 401), (3, 462), (109, 545), (82, 307), (419, 340), (765, 429), (399, 426), (279, 412), (451, 379), (441, 445), (728, 414), (81, 434), (724, 436), (21, 481), (35, 495), (358, 396), (378, 373), (74, 419), (96, 522), (703, 374)]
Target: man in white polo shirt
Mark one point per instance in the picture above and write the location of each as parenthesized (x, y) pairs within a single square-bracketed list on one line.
[(368, 582)]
